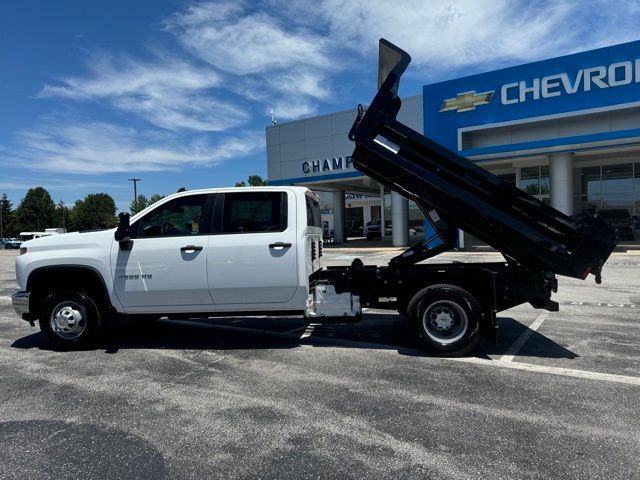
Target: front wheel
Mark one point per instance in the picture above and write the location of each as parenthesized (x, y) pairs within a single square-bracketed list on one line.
[(445, 319), (70, 319)]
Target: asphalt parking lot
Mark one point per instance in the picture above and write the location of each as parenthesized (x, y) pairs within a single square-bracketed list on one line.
[(559, 397)]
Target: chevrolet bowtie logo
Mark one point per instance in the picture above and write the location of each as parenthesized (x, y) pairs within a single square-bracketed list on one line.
[(466, 101)]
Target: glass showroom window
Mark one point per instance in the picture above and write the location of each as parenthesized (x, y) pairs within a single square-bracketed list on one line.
[(535, 181), (386, 199), (607, 187), (416, 219), (636, 193), (617, 186), (588, 189), (510, 178)]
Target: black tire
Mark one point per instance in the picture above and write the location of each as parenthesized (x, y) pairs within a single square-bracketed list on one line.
[(445, 319), (70, 319)]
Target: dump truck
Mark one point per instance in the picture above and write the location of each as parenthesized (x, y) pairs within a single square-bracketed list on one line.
[(259, 250)]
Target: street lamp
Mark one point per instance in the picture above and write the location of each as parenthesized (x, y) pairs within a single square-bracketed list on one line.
[(61, 205), (135, 192)]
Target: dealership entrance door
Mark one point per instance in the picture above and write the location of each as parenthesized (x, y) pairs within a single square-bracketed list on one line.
[(354, 221)]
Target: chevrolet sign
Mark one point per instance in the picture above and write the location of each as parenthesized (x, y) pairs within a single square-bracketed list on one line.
[(466, 101)]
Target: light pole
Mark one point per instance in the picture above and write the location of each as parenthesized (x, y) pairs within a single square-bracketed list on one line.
[(135, 192), (61, 205)]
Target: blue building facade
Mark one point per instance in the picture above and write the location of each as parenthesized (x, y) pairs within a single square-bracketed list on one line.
[(566, 129)]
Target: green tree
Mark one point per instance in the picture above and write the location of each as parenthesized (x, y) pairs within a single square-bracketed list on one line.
[(144, 202), (6, 218), (97, 210), (36, 211), (62, 217), (154, 198), (253, 181), (139, 204)]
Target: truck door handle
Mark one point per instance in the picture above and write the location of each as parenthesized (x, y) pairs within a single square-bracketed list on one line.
[(279, 245), (190, 248)]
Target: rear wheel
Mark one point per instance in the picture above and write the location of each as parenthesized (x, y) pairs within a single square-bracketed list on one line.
[(445, 319), (70, 319)]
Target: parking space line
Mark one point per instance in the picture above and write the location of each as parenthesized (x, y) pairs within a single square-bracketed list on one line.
[(308, 331), (339, 342), (522, 339), (565, 372)]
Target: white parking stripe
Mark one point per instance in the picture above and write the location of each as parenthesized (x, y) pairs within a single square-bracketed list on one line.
[(338, 342), (309, 331), (522, 339), (565, 372)]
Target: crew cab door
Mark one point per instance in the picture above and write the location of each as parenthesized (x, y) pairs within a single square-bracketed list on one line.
[(164, 264), (253, 254)]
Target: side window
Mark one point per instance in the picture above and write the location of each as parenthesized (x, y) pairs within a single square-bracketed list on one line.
[(250, 212), (313, 213), (179, 217)]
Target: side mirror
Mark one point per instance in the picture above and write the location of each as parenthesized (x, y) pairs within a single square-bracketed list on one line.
[(122, 232)]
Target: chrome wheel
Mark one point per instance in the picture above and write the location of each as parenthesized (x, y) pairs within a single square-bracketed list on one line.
[(68, 320), (445, 322)]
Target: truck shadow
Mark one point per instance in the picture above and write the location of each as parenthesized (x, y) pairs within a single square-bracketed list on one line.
[(375, 332)]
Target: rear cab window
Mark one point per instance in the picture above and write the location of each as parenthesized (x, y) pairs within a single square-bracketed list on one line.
[(313, 212), (254, 212)]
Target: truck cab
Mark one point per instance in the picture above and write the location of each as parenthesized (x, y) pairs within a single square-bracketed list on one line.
[(231, 250), (201, 252)]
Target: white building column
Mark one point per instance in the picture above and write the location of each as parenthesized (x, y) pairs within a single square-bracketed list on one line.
[(338, 216), (399, 220), (561, 182)]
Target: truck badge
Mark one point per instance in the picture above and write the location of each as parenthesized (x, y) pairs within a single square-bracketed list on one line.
[(466, 101)]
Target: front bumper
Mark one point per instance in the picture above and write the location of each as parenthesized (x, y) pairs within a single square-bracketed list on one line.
[(20, 301)]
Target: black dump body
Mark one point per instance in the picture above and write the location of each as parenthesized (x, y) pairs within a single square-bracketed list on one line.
[(536, 240), (455, 193)]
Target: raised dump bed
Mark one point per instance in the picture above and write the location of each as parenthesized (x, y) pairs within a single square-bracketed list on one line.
[(455, 193)]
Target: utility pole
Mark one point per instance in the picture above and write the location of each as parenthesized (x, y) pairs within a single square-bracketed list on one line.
[(135, 192), (61, 205)]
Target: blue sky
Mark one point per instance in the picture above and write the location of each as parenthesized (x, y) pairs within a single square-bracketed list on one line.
[(178, 93)]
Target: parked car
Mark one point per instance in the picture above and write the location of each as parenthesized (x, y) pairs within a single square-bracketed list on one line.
[(416, 230), (354, 231), (621, 221), (372, 230), (12, 243)]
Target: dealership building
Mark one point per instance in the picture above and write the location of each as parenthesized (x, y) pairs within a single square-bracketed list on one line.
[(566, 130)]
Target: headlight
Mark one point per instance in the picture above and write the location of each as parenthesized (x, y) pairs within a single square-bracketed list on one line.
[(23, 250)]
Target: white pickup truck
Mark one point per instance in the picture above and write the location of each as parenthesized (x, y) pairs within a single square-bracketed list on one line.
[(194, 253)]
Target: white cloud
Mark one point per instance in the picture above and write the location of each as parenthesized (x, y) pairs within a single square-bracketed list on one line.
[(242, 59), (59, 184), (241, 41), (441, 36), (444, 36), (98, 148), (265, 57), (171, 93)]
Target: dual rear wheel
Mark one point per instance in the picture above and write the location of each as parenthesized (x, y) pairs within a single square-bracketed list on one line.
[(445, 319)]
